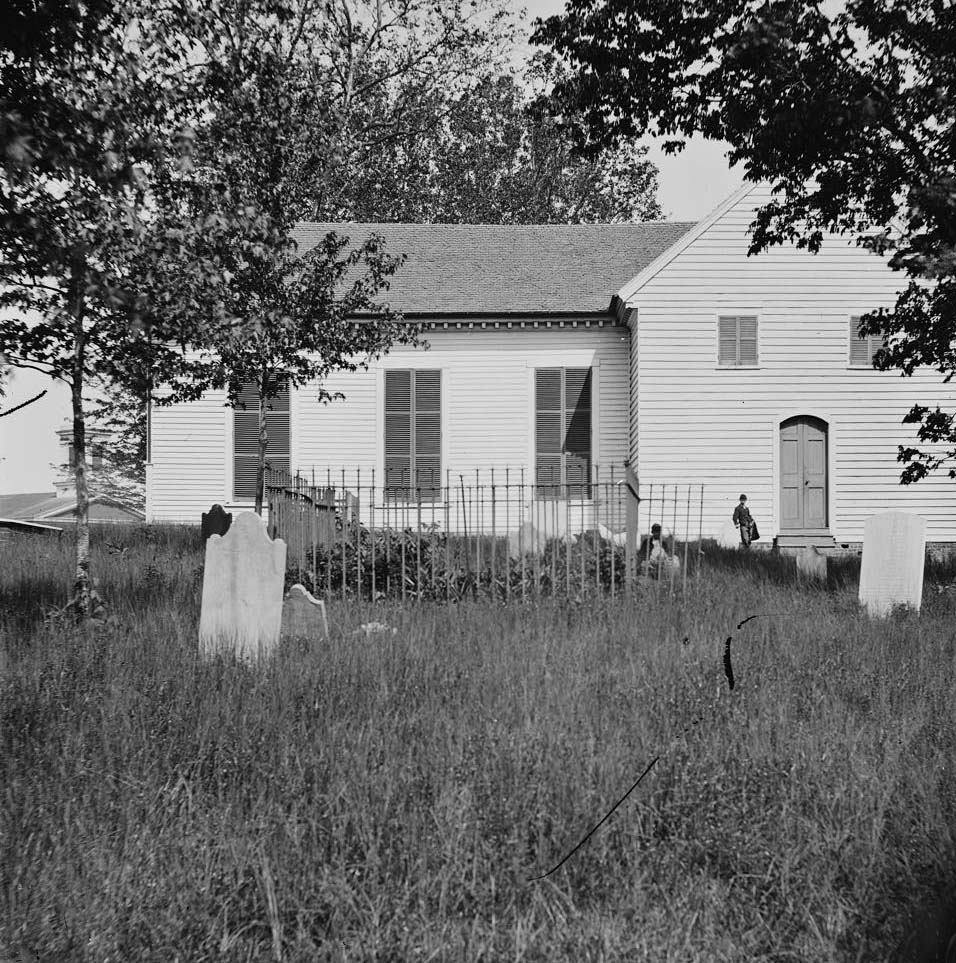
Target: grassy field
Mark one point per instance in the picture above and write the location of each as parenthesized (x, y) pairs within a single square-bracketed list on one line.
[(388, 798)]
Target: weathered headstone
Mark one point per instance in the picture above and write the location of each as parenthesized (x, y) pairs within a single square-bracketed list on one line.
[(527, 540), (894, 553), (303, 615), (728, 537), (215, 522), (812, 563), (242, 590)]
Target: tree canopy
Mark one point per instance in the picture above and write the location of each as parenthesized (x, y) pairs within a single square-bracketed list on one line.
[(847, 110)]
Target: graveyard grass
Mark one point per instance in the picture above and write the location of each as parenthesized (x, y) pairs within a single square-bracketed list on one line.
[(388, 798)]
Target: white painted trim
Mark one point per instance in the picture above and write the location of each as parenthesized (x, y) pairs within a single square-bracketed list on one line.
[(230, 449), (781, 415), (628, 291)]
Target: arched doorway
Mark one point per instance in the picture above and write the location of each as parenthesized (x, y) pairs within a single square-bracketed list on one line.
[(803, 474)]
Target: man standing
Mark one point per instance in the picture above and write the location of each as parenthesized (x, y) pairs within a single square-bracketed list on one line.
[(743, 521)]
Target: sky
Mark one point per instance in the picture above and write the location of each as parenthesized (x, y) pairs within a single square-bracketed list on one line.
[(691, 184)]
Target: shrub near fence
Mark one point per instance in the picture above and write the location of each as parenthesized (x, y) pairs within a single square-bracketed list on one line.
[(497, 538)]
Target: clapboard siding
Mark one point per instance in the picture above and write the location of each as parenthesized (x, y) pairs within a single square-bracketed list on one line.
[(487, 398), (720, 426), (487, 414), (188, 463)]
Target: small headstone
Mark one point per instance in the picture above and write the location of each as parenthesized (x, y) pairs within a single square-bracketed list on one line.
[(215, 522), (894, 553), (527, 540), (242, 591), (812, 563), (728, 537), (303, 615)]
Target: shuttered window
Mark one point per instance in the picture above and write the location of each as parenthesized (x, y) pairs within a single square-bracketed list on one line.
[(245, 438), (737, 341), (862, 349), (562, 432), (413, 435)]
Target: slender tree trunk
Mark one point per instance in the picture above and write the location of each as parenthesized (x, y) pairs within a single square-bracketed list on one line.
[(263, 442), (82, 602)]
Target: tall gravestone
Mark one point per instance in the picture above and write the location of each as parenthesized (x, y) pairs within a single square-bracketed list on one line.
[(215, 522), (894, 552), (242, 591)]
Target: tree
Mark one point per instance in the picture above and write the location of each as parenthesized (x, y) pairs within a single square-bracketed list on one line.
[(93, 244), (850, 114), (496, 155), (263, 144)]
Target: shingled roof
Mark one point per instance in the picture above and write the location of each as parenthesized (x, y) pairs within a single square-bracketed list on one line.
[(492, 269)]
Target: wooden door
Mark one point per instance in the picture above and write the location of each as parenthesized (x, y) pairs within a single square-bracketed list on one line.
[(803, 474)]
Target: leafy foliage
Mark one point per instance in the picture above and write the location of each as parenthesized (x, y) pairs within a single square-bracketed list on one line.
[(848, 110)]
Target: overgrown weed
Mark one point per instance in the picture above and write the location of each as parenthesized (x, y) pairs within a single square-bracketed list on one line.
[(387, 798)]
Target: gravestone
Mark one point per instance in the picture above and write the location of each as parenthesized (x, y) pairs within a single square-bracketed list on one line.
[(812, 563), (215, 522), (728, 537), (242, 591), (894, 552), (527, 540), (303, 615)]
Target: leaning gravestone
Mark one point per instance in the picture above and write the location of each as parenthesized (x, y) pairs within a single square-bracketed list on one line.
[(894, 552), (215, 522), (812, 563), (242, 591), (303, 615)]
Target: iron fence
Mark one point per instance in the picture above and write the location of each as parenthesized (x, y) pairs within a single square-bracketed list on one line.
[(494, 533)]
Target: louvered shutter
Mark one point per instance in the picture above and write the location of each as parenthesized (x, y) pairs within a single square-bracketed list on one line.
[(577, 439), (427, 434), (747, 341), (413, 434), (549, 428), (245, 437), (727, 341), (398, 433), (862, 348)]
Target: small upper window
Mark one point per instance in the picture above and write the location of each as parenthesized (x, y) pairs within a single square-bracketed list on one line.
[(737, 341), (862, 348)]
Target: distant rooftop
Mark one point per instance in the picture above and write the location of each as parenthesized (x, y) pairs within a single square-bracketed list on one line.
[(489, 269)]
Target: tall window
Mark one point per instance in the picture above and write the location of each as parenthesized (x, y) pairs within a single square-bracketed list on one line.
[(737, 341), (413, 435), (862, 349), (245, 438), (562, 432)]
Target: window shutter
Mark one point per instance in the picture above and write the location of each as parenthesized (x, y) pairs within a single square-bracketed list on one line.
[(747, 341), (727, 341), (577, 439), (428, 433), (245, 437), (398, 432), (548, 430), (413, 434), (862, 348)]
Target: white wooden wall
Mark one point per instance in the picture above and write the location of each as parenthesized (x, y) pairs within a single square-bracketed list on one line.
[(720, 427), (487, 414)]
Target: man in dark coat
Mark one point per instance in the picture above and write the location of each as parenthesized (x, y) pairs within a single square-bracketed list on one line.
[(743, 521)]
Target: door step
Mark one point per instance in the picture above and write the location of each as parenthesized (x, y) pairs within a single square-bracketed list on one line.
[(789, 543)]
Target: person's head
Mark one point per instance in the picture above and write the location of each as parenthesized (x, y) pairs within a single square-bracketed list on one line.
[(655, 530), (743, 499)]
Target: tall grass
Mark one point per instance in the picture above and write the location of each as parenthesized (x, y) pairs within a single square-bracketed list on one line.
[(389, 798)]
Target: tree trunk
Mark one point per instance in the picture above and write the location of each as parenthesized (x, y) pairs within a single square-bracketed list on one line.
[(82, 597), (263, 442)]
